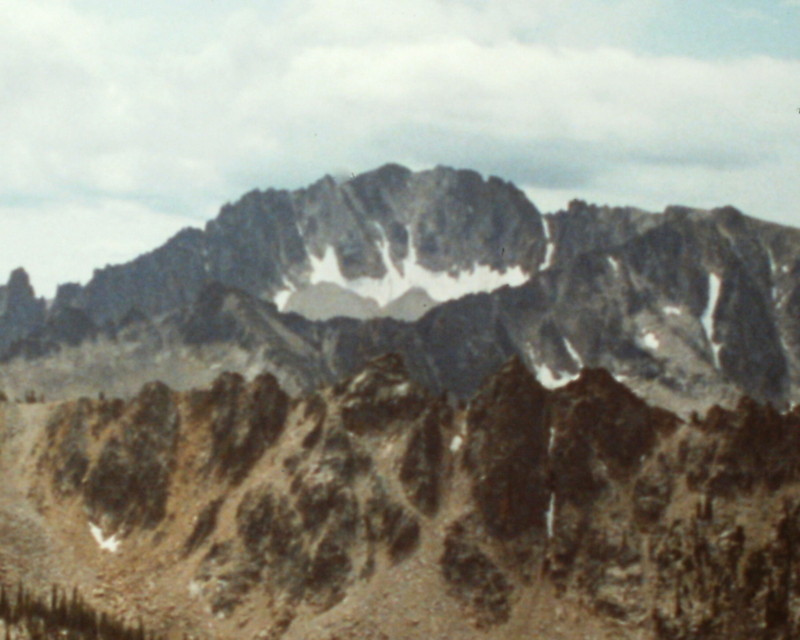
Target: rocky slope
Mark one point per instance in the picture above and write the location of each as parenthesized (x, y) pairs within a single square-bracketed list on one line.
[(374, 509)]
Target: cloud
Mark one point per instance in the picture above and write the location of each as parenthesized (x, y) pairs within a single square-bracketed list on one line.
[(108, 117)]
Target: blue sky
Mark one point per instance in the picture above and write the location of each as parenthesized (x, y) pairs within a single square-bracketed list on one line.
[(733, 28), (124, 122)]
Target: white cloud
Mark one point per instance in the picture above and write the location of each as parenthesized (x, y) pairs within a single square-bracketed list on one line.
[(108, 118)]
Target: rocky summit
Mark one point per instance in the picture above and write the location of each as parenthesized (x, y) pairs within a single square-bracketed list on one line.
[(410, 405), (455, 272)]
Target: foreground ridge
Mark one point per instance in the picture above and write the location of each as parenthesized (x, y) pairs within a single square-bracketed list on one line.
[(374, 509)]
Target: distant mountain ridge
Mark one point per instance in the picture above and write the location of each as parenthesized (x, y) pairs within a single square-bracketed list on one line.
[(686, 305), (270, 241)]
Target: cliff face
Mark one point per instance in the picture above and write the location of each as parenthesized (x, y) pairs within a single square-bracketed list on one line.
[(689, 307), (267, 242), (374, 509)]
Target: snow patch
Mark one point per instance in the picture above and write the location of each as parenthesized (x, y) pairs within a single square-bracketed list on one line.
[(456, 443), (551, 514), (576, 358), (282, 297), (614, 264), (707, 319), (402, 389), (773, 268), (552, 379), (671, 310), (546, 229), (359, 379), (550, 248), (106, 544), (398, 280), (546, 376), (651, 341)]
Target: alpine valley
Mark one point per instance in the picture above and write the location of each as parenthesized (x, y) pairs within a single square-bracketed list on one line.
[(410, 405)]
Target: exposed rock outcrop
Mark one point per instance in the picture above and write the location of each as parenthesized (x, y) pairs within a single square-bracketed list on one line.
[(21, 313), (583, 496), (268, 239), (692, 307)]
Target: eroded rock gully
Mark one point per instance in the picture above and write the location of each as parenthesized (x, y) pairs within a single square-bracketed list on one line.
[(374, 509)]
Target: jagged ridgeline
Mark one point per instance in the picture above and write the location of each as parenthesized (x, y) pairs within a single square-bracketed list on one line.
[(373, 509), (454, 271), (284, 426), (61, 616)]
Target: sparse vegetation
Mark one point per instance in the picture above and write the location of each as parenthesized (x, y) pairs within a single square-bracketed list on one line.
[(26, 616)]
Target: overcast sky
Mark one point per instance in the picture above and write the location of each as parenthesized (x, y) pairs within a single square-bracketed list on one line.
[(121, 123)]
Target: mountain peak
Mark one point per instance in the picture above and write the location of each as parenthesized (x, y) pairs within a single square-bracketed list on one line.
[(694, 305), (18, 290), (390, 173), (19, 278), (21, 313)]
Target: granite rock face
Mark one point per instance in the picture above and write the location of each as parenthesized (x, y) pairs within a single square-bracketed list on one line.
[(267, 240), (689, 306)]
